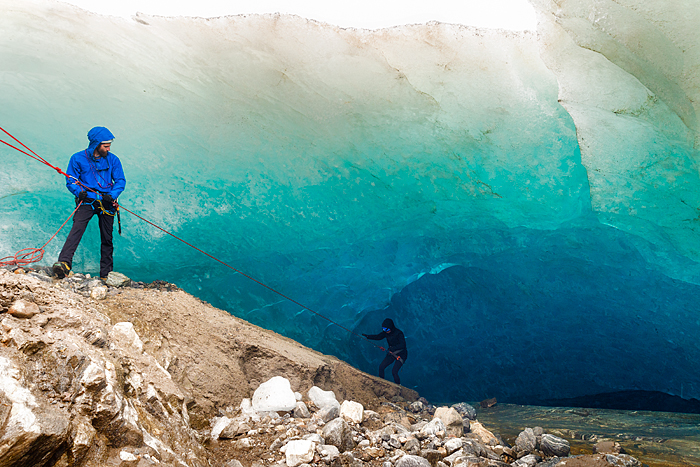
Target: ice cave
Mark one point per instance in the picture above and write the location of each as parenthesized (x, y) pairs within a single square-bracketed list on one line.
[(524, 205)]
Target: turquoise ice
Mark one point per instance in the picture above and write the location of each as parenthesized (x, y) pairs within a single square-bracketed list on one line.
[(529, 200)]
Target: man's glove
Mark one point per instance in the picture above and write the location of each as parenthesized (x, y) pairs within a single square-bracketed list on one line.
[(82, 195), (107, 200)]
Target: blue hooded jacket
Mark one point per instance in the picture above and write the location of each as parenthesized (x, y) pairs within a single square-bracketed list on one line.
[(104, 175)]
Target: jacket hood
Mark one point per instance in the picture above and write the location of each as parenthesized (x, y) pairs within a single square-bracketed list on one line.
[(96, 136), (388, 323)]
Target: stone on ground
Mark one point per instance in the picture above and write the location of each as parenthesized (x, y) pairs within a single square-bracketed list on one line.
[(352, 411), (300, 451), (452, 420), (274, 395), (117, 279), (322, 398)]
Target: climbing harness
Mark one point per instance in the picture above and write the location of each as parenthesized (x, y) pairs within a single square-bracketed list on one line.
[(35, 156), (389, 352)]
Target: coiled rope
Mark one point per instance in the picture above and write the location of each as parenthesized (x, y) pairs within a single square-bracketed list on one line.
[(36, 254)]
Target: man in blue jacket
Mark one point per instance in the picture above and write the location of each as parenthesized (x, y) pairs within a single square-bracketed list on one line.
[(96, 180)]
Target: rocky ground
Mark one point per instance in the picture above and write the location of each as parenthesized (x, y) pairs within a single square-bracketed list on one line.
[(131, 374)]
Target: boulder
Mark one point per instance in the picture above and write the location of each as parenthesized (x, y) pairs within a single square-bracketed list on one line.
[(322, 398), (452, 445), (416, 407), (338, 433), (433, 456), (526, 461), (486, 403), (274, 395), (452, 420), (554, 446), (526, 441), (412, 446), (328, 413), (83, 435), (220, 424), (412, 461), (315, 437), (484, 435), (435, 427), (300, 451), (470, 461), (328, 452), (234, 429), (301, 410), (24, 309), (465, 410), (30, 434), (98, 293), (352, 411), (117, 279), (622, 460), (125, 336)]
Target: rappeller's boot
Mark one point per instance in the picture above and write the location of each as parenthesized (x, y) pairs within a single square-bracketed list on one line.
[(61, 269)]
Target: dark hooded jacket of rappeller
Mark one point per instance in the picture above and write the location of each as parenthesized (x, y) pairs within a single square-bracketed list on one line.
[(104, 175), (395, 339)]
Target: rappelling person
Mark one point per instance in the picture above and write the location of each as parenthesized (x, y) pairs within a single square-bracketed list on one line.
[(396, 353), (96, 179)]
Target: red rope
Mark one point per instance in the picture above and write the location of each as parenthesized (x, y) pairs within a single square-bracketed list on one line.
[(261, 283), (240, 272), (27, 257), (32, 255), (33, 155)]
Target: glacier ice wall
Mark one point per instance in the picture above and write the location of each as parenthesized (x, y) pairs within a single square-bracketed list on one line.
[(523, 205)]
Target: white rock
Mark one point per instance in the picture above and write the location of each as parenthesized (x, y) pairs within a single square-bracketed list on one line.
[(328, 452), (126, 456), (298, 396), (274, 395), (246, 406), (300, 451), (435, 427), (527, 461), (315, 437), (352, 411), (243, 443), (21, 416), (452, 445), (99, 293), (322, 398), (124, 333), (219, 425)]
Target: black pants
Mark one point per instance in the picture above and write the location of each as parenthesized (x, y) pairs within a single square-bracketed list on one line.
[(80, 221), (388, 360)]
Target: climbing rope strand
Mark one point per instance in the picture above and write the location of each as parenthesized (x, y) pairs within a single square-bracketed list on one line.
[(37, 157), (240, 272), (32, 255), (258, 282), (31, 251), (33, 155)]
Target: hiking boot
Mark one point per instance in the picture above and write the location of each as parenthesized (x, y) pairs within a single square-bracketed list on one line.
[(61, 269)]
